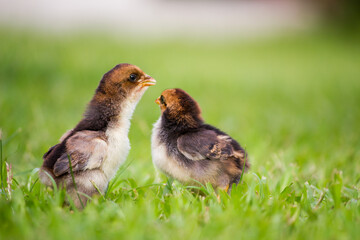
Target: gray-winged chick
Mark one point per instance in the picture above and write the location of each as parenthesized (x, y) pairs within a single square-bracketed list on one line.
[(99, 143), (186, 148)]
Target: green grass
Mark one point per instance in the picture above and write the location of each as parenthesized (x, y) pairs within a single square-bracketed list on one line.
[(292, 101)]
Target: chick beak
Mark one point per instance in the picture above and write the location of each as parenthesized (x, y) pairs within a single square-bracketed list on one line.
[(157, 101), (148, 81)]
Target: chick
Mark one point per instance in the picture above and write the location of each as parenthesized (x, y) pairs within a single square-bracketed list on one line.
[(187, 149), (99, 143)]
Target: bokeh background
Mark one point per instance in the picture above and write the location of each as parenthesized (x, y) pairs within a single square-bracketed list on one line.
[(281, 77)]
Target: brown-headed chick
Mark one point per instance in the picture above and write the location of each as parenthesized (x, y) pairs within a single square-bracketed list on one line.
[(99, 143), (187, 149)]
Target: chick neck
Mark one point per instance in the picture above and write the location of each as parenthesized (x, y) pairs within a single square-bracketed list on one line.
[(179, 123)]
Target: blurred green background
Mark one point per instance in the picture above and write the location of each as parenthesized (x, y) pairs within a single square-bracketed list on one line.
[(291, 98)]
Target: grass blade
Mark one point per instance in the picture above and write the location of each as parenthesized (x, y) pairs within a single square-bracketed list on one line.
[(243, 169), (1, 162), (97, 189), (52, 180), (73, 179), (118, 174)]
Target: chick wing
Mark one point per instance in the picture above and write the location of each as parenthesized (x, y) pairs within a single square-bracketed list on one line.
[(206, 144), (86, 149)]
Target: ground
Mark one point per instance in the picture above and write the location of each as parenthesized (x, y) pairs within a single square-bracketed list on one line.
[(291, 101)]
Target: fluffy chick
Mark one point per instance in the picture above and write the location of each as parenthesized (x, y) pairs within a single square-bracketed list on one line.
[(99, 143), (187, 149)]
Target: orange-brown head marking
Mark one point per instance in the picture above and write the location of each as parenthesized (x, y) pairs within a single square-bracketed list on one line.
[(121, 87), (179, 106), (126, 77)]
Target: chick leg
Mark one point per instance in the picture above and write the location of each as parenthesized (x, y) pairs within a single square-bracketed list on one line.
[(226, 189)]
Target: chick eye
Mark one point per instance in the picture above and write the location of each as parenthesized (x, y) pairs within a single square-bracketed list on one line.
[(162, 100), (133, 77)]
